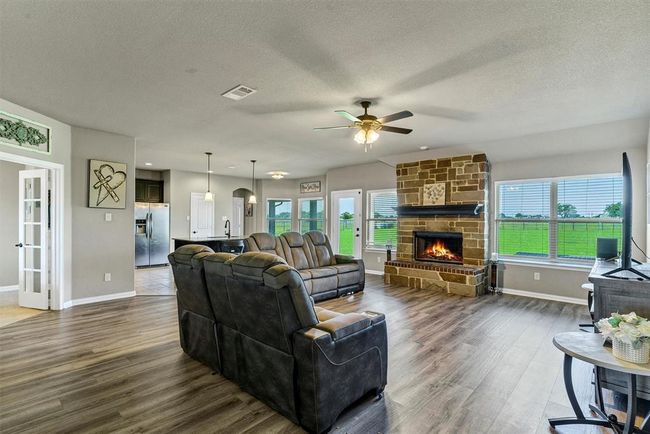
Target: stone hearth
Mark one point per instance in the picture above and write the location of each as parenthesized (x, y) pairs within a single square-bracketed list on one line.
[(466, 181)]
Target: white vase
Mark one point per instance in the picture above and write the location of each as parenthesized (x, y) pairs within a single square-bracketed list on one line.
[(627, 352)]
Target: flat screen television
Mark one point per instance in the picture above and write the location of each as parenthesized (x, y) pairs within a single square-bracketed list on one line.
[(626, 249)]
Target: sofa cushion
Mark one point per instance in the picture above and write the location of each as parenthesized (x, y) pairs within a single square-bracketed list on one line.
[(253, 264), (305, 274), (264, 242), (348, 279), (296, 252), (346, 268), (323, 284), (184, 254), (318, 273), (320, 248)]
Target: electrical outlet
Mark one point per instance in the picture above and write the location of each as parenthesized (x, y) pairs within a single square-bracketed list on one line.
[(536, 276), (379, 259), (107, 277), (108, 217)]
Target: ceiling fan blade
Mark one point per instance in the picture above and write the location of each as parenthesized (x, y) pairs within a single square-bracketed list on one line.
[(347, 115), (395, 129), (395, 117), (334, 128)]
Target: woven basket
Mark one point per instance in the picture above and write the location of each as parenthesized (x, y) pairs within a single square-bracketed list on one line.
[(627, 352)]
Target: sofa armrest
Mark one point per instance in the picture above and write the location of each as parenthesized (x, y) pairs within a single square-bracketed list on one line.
[(339, 361), (344, 325), (345, 259)]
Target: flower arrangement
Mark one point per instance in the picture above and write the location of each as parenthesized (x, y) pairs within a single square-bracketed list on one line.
[(627, 328)]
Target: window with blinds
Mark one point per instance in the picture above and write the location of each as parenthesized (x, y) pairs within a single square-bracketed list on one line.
[(278, 216), (311, 215), (558, 219), (381, 222)]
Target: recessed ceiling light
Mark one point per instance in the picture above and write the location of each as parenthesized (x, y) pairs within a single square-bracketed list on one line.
[(231, 167), (424, 148), (148, 164), (277, 174)]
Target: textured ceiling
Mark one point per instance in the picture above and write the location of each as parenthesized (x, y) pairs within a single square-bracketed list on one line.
[(470, 71)]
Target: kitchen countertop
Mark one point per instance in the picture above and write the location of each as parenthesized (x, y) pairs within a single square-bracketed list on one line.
[(219, 238)]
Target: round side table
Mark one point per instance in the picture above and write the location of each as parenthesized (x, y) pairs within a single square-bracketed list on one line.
[(589, 348)]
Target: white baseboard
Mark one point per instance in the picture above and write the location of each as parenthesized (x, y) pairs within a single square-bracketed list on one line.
[(375, 272), (99, 298), (544, 296), (8, 288)]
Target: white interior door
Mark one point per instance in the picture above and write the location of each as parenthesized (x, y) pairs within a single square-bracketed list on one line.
[(33, 269), (201, 216), (346, 222), (237, 229)]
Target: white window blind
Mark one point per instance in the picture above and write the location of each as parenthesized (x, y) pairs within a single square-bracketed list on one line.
[(558, 219), (311, 214), (382, 219), (278, 216)]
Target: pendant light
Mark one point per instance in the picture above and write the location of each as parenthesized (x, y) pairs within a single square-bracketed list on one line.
[(209, 197), (252, 199)]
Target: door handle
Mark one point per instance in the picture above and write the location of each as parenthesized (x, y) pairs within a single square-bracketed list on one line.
[(19, 245)]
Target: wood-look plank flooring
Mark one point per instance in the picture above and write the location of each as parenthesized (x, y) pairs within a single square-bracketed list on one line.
[(456, 365)]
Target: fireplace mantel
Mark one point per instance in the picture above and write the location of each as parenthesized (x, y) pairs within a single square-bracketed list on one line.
[(472, 209)]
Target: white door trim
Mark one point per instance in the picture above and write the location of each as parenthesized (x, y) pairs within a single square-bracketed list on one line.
[(357, 194), (57, 214)]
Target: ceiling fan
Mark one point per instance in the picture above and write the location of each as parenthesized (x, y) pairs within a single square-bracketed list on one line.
[(368, 125)]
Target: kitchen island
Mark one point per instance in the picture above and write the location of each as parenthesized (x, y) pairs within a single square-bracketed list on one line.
[(218, 244)]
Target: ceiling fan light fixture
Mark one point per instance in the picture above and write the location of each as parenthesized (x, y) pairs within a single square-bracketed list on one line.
[(366, 136)]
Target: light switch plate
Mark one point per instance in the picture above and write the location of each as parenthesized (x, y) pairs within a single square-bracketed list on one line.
[(107, 277), (108, 217)]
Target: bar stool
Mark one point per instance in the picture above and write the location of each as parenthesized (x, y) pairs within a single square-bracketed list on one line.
[(589, 287)]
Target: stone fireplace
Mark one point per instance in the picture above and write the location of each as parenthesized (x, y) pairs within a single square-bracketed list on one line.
[(442, 245)]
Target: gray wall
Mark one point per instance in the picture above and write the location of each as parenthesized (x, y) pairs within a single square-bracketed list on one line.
[(182, 184), (61, 152), (284, 189), (9, 222), (99, 246), (564, 281)]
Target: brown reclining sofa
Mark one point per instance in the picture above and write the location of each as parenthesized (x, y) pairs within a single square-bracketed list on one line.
[(325, 274)]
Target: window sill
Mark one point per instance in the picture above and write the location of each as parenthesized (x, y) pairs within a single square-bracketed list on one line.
[(377, 250), (547, 264)]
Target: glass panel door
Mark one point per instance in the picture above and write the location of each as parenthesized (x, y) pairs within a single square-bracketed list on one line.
[(346, 222), (33, 239)]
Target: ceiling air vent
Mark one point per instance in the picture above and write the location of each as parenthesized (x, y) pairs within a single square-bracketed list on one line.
[(239, 92)]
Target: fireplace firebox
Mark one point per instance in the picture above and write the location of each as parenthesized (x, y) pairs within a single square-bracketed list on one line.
[(438, 246)]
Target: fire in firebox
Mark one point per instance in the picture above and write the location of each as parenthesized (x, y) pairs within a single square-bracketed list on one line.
[(440, 252), (438, 246)]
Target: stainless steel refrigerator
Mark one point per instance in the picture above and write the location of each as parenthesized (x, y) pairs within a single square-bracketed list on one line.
[(151, 234)]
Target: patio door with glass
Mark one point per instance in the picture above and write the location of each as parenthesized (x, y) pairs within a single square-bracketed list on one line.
[(33, 239), (346, 222)]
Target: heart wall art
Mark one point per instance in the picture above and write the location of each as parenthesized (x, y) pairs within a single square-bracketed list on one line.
[(107, 184)]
